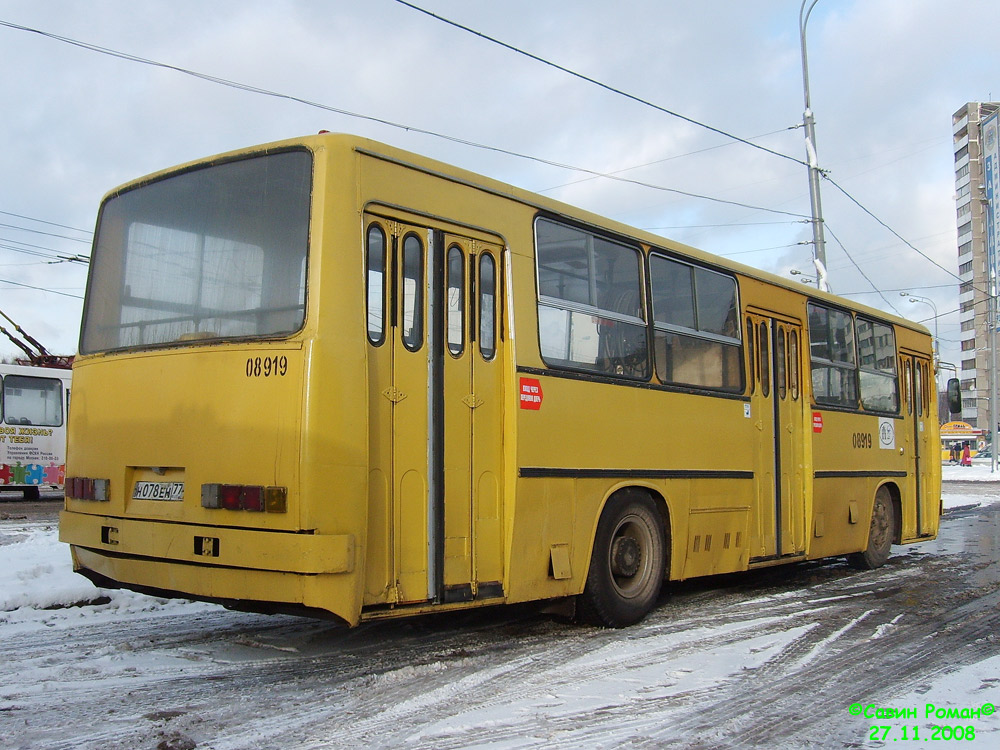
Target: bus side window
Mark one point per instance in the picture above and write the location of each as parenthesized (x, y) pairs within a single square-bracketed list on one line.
[(918, 389), (375, 281), (456, 301), (927, 387), (751, 357), (793, 364), (487, 306), (764, 350), (780, 363), (413, 293), (908, 386)]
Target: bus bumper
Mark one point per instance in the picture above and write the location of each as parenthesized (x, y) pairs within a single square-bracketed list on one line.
[(217, 564)]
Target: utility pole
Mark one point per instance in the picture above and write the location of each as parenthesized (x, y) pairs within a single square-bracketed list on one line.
[(819, 241)]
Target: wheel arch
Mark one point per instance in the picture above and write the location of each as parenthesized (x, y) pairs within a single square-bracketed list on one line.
[(662, 506), (896, 496)]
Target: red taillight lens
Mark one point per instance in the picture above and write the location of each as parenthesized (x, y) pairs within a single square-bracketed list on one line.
[(249, 497), (229, 496), (252, 498), (83, 488)]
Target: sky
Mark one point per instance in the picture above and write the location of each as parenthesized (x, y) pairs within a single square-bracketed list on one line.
[(885, 78)]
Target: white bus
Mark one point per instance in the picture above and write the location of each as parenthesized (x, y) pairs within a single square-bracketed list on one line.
[(34, 402)]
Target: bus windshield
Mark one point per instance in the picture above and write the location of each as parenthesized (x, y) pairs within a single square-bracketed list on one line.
[(213, 253)]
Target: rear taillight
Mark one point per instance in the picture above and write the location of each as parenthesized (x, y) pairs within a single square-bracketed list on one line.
[(83, 488), (245, 497)]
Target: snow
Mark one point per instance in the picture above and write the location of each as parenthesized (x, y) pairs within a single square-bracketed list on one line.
[(39, 592), (978, 472), (38, 587)]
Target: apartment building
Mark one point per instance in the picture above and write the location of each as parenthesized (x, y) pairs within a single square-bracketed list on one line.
[(970, 205)]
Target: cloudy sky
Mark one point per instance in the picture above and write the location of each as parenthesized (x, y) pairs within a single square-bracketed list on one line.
[(886, 76)]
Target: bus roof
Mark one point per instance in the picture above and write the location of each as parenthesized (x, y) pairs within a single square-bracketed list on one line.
[(376, 149)]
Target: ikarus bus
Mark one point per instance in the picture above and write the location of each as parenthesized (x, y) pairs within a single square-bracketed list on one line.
[(332, 377)]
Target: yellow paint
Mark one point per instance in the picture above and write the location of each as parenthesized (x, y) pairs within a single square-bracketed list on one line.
[(347, 429)]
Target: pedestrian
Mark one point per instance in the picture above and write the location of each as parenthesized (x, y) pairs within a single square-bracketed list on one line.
[(966, 455)]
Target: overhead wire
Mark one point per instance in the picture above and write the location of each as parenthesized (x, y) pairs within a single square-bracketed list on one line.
[(863, 274), (892, 231), (595, 82), (43, 221), (383, 121), (613, 176), (40, 288), (672, 113)]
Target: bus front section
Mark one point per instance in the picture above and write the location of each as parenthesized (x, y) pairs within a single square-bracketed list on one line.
[(186, 441)]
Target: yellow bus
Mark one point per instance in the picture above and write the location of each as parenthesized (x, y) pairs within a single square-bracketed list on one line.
[(331, 377)]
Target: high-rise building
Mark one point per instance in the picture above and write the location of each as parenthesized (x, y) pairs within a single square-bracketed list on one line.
[(973, 297)]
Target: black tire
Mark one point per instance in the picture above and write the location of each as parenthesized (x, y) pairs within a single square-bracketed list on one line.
[(31, 493), (627, 564), (880, 534)]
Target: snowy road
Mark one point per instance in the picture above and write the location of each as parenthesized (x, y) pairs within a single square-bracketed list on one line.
[(774, 658)]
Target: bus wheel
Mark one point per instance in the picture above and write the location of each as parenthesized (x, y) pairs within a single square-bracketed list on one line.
[(31, 493), (879, 534), (627, 564)]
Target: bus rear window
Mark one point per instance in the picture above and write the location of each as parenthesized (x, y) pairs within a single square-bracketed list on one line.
[(213, 253)]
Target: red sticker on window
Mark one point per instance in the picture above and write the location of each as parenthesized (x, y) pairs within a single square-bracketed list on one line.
[(817, 422), (531, 394)]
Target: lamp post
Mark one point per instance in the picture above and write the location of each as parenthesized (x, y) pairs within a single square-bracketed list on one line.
[(928, 301), (819, 242), (805, 279)]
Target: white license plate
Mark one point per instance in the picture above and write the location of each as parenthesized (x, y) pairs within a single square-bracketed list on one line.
[(158, 491)]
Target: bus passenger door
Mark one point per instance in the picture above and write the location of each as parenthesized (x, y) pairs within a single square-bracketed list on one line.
[(919, 507), (472, 401), (397, 556), (435, 415), (776, 402)]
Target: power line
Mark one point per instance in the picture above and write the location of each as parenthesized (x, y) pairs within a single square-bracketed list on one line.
[(904, 289), (692, 121), (720, 226), (595, 82), (265, 92), (666, 159), (39, 288), (410, 128), (46, 234), (54, 255), (43, 221), (863, 274), (896, 234)]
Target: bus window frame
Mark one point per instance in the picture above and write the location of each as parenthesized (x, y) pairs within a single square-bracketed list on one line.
[(572, 307), (61, 388), (695, 333), (857, 406), (414, 340), (374, 225), (90, 295), (488, 353), (455, 348)]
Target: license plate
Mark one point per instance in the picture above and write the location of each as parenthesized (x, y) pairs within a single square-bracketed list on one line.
[(158, 491)]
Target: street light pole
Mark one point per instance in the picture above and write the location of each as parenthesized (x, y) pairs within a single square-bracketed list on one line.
[(819, 242), (928, 301)]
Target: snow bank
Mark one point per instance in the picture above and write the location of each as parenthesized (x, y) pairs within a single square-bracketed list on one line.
[(978, 472), (38, 585)]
